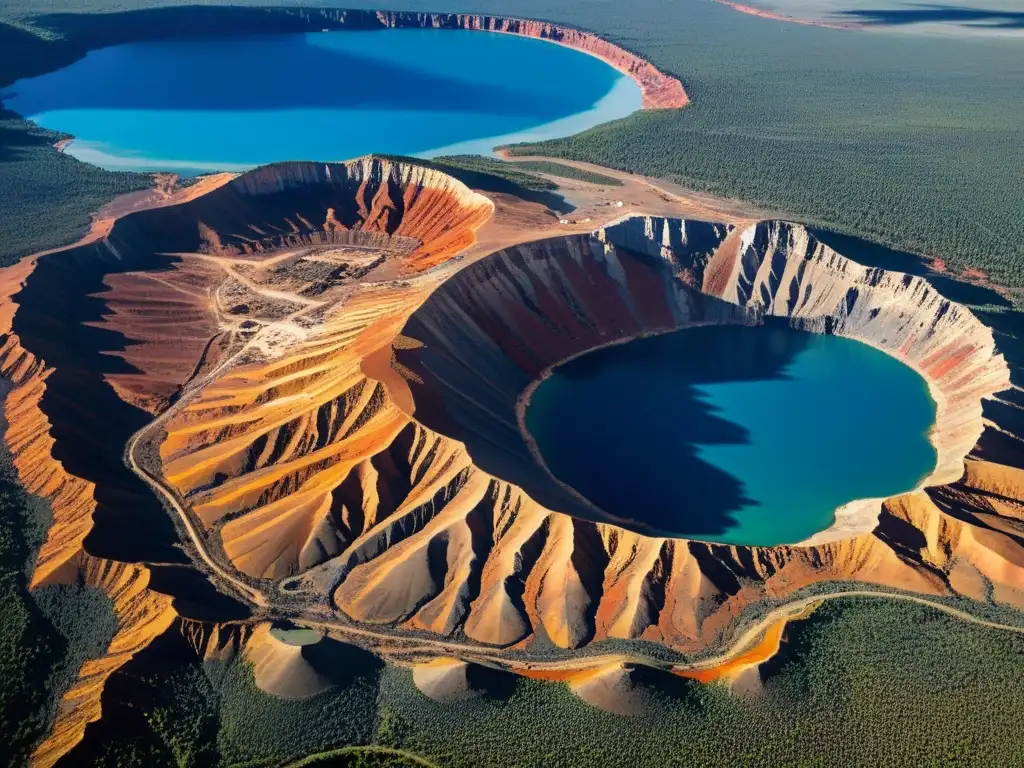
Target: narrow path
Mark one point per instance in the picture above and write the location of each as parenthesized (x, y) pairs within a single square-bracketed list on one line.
[(228, 578), (254, 596), (371, 749), (261, 600), (689, 202), (270, 293), (747, 639)]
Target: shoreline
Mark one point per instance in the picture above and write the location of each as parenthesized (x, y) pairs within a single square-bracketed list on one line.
[(763, 13), (855, 517), (659, 89)]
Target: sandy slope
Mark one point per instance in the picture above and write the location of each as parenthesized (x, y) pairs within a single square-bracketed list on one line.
[(335, 356)]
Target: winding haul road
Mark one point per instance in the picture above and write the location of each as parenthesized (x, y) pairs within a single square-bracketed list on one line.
[(227, 578), (170, 498), (230, 582)]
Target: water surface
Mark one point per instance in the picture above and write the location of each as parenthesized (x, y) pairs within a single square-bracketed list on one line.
[(734, 434), (232, 103)]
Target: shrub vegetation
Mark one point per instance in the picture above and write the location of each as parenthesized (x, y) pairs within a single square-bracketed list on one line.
[(908, 140), (864, 682), (568, 172), (867, 682)]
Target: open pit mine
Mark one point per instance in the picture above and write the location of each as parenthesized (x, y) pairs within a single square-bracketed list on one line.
[(284, 410)]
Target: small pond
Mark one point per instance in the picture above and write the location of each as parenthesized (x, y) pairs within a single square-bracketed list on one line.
[(733, 434)]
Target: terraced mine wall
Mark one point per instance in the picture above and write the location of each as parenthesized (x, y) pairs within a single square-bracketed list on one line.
[(482, 542), (491, 332), (82, 33), (99, 338), (117, 345), (495, 328), (361, 470)]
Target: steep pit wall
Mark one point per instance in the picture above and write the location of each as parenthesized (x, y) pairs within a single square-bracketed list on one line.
[(98, 337), (359, 469), (367, 468), (781, 270), (487, 335), (481, 541), (489, 332), (275, 457), (660, 90)]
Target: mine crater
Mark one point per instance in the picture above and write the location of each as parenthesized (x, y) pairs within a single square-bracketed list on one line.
[(318, 371), (489, 337)]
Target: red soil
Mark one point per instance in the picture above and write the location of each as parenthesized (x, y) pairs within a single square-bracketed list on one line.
[(660, 90)]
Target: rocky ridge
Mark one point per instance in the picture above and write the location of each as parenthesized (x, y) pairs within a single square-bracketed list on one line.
[(660, 90), (347, 444)]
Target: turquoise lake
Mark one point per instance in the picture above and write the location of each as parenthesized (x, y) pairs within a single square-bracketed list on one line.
[(228, 104), (734, 434)]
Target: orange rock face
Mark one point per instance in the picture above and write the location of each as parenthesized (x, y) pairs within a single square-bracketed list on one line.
[(142, 615), (423, 509), (660, 90), (335, 430)]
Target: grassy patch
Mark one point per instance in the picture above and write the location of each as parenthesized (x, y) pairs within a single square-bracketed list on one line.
[(568, 172), (468, 166)]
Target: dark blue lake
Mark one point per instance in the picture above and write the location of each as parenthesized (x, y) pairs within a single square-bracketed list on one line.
[(734, 434), (230, 104)]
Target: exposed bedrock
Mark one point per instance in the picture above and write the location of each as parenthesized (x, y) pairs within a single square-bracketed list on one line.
[(660, 90), (103, 335), (100, 337), (335, 368), (376, 464), (487, 335)]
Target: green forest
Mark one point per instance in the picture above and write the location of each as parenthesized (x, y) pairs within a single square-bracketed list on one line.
[(911, 141), (45, 635), (862, 682), (46, 196), (561, 170)]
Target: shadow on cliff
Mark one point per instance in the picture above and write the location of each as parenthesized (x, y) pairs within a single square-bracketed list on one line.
[(144, 684), (1006, 412), (59, 308), (958, 15), (874, 255), (624, 426)]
